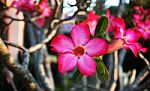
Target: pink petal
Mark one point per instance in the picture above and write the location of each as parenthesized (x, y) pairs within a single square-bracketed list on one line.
[(86, 65), (92, 26), (133, 49), (131, 35), (66, 62), (139, 47), (80, 34), (119, 33), (96, 47), (62, 43)]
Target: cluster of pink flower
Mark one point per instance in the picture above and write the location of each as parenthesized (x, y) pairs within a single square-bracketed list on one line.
[(141, 19), (79, 50), (30, 5), (129, 38)]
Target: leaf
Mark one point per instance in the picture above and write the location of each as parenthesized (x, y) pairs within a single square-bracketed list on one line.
[(77, 76), (101, 27), (102, 71)]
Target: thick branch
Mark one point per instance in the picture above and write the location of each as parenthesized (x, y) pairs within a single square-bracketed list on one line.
[(26, 54), (17, 69)]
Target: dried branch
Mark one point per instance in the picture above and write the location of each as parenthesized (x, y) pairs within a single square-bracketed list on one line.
[(17, 69)]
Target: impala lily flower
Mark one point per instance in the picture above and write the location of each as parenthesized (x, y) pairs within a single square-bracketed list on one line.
[(144, 29), (45, 8), (137, 18), (114, 22), (24, 5), (130, 38), (92, 20), (78, 50)]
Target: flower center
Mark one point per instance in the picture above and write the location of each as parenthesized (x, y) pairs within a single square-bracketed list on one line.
[(78, 51), (145, 29)]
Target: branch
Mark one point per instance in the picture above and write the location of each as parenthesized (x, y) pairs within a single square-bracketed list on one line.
[(52, 34), (142, 75), (26, 54), (145, 60), (17, 69), (142, 87), (26, 20), (114, 84)]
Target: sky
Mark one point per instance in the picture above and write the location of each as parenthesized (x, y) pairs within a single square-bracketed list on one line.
[(70, 10)]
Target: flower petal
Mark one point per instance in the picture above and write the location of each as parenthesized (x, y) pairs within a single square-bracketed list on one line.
[(131, 35), (133, 49), (62, 43), (86, 65), (119, 33), (96, 47), (80, 34), (66, 62)]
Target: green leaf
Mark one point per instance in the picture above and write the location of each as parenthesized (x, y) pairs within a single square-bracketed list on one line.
[(101, 27), (102, 71), (77, 76)]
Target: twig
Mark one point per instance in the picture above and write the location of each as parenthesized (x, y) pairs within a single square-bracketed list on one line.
[(26, 20), (142, 87), (16, 45), (52, 34), (40, 45), (17, 69), (145, 60), (142, 75)]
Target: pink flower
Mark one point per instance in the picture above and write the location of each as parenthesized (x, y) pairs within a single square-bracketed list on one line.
[(110, 19), (24, 5), (137, 18), (130, 38), (92, 20), (114, 22), (144, 29), (78, 50), (118, 23), (138, 9), (45, 8)]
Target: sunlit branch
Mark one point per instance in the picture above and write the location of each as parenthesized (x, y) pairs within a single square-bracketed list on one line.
[(145, 60)]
